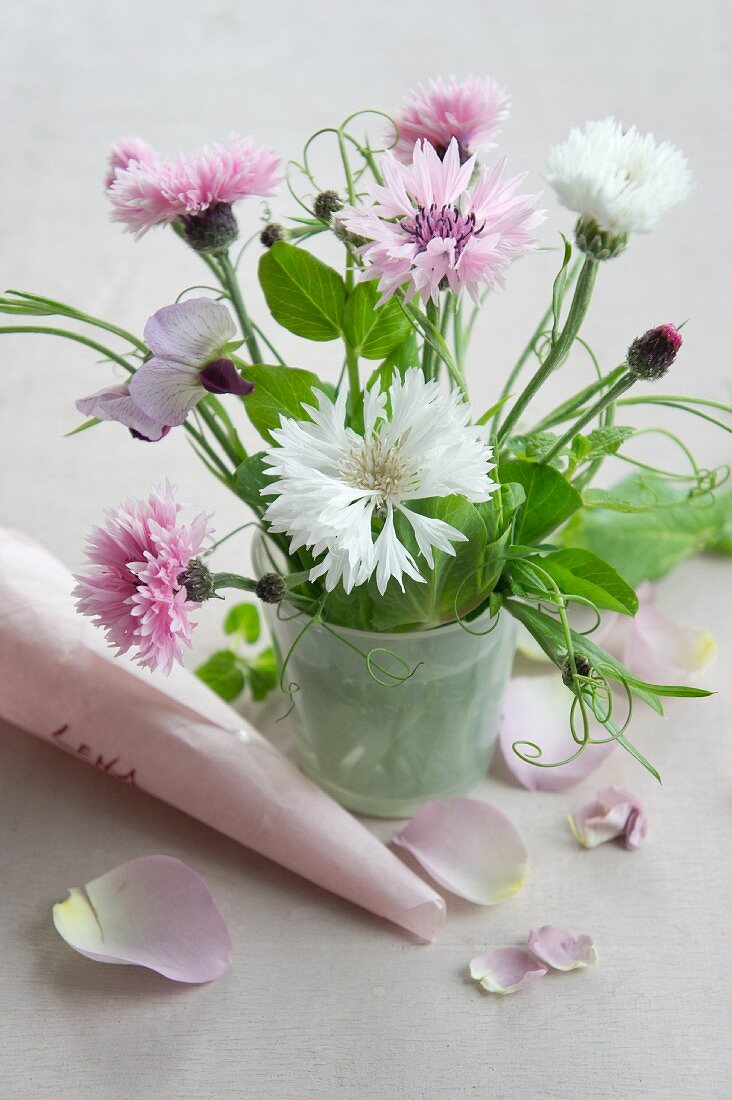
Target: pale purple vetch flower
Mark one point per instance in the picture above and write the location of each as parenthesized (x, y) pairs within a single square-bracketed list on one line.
[(157, 191), (469, 847), (653, 646), (114, 403), (153, 912), (470, 111), (188, 342), (133, 587), (428, 228), (614, 812)]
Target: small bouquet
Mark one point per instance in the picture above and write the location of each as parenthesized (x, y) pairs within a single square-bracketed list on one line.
[(387, 504)]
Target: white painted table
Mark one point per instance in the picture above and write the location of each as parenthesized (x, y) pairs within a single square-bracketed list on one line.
[(323, 1000)]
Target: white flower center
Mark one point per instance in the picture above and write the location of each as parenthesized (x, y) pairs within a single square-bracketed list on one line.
[(377, 469)]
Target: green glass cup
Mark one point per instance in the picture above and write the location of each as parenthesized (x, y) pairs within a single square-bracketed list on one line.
[(383, 747)]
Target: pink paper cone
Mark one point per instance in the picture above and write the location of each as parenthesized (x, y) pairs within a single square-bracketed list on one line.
[(175, 739)]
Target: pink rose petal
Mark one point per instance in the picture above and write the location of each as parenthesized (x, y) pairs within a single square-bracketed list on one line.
[(152, 912), (663, 651), (506, 969), (536, 709), (614, 812), (469, 847), (560, 949)]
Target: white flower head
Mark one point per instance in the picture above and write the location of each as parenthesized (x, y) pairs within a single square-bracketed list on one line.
[(618, 178), (332, 483)]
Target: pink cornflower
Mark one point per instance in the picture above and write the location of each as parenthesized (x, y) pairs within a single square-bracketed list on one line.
[(156, 191), (470, 110), (135, 589), (428, 229), (125, 151)]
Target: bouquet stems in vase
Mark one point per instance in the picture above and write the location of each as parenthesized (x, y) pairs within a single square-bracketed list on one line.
[(402, 530)]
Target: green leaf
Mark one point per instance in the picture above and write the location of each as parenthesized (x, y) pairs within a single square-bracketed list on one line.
[(303, 294), (92, 423), (550, 499), (494, 409), (243, 619), (550, 636), (372, 331), (607, 441), (581, 573), (249, 481), (534, 446), (263, 675), (280, 391), (559, 289), (457, 577), (656, 530), (222, 674)]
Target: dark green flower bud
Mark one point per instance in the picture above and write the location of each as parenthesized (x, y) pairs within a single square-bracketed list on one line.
[(650, 355), (197, 581), (272, 233), (271, 588), (326, 204), (213, 230), (599, 243)]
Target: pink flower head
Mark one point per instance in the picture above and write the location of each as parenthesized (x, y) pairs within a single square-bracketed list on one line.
[(427, 229), (115, 403), (470, 111), (155, 191), (124, 152), (188, 341), (134, 589)]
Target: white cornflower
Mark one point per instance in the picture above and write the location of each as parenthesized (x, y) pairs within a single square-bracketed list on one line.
[(337, 492), (618, 178)]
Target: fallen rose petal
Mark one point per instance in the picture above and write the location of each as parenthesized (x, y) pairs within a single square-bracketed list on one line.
[(560, 949), (536, 709), (152, 912), (614, 812), (506, 969), (469, 847), (663, 651)]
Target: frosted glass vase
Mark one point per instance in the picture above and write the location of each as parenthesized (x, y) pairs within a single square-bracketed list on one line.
[(385, 750)]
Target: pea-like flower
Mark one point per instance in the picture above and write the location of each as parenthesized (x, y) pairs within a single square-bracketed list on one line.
[(188, 342)]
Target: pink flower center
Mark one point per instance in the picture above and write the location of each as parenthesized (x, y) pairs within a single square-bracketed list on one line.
[(445, 222)]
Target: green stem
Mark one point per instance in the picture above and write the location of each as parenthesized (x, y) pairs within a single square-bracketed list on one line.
[(354, 382), (428, 355), (607, 421), (106, 352), (63, 310), (608, 398), (233, 580), (231, 284), (525, 354), (560, 350), (569, 408)]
